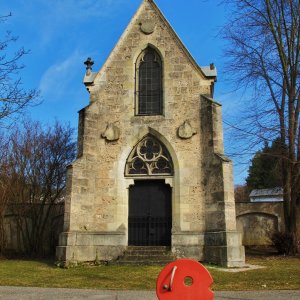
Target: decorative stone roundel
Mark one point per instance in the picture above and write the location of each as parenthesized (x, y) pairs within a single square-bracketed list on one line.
[(149, 157), (147, 26)]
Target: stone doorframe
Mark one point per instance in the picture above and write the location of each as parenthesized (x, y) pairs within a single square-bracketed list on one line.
[(172, 181)]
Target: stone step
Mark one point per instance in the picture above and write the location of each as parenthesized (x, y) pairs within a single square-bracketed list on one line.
[(147, 253), (149, 248), (141, 255), (142, 263), (147, 258)]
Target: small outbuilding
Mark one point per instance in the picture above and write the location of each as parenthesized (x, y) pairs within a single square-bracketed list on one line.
[(267, 195)]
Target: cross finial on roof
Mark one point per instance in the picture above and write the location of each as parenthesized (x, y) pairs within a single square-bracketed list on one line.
[(89, 63)]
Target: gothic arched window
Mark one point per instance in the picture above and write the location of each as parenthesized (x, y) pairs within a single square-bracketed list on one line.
[(149, 83), (149, 157)]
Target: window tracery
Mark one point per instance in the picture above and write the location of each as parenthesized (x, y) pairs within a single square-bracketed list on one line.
[(149, 157)]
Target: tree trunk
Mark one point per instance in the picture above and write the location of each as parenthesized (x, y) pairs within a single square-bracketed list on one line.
[(2, 234), (290, 208)]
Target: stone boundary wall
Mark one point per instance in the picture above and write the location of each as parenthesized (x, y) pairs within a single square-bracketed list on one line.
[(258, 221), (13, 237)]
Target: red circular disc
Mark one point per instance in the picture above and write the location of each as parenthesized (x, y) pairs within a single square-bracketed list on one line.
[(190, 281)]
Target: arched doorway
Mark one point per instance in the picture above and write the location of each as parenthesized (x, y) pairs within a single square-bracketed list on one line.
[(150, 198), (150, 213)]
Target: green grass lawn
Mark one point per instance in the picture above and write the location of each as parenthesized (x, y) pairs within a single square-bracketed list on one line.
[(279, 273)]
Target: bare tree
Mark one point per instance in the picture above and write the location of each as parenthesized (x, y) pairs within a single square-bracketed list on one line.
[(241, 193), (13, 97), (264, 54), (35, 177), (3, 190)]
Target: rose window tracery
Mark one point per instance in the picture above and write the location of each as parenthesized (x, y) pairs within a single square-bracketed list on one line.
[(149, 157)]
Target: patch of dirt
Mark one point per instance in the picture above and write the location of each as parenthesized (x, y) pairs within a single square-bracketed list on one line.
[(261, 251), (247, 267)]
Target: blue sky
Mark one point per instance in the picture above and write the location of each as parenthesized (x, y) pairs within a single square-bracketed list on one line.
[(61, 34)]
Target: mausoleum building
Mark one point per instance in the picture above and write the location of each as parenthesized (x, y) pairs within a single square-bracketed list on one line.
[(151, 169)]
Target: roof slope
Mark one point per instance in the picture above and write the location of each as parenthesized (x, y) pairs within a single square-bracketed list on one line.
[(277, 191), (209, 72)]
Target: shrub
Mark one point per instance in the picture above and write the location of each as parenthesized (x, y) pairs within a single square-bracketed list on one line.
[(283, 242)]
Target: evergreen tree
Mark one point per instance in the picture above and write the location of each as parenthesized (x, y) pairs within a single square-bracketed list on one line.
[(265, 169)]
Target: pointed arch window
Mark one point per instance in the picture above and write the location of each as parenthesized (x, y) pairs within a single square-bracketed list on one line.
[(149, 157), (149, 83)]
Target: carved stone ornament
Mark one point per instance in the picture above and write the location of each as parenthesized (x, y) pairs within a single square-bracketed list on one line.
[(111, 133), (186, 131), (147, 26)]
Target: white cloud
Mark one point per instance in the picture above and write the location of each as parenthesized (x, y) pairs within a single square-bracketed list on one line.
[(59, 77), (75, 10), (62, 18)]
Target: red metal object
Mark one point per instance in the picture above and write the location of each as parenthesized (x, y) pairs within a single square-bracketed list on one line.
[(184, 279)]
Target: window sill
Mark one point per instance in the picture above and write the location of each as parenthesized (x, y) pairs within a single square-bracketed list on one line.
[(147, 118)]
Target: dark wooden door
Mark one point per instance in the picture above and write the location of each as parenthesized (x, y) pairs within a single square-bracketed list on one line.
[(150, 213)]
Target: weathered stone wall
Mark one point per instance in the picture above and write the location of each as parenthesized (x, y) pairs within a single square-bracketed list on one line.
[(14, 242), (222, 241), (257, 221)]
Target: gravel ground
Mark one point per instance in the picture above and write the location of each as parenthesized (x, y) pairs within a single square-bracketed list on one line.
[(28, 293)]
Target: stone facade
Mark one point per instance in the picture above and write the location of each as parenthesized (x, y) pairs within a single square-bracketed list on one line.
[(190, 127)]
